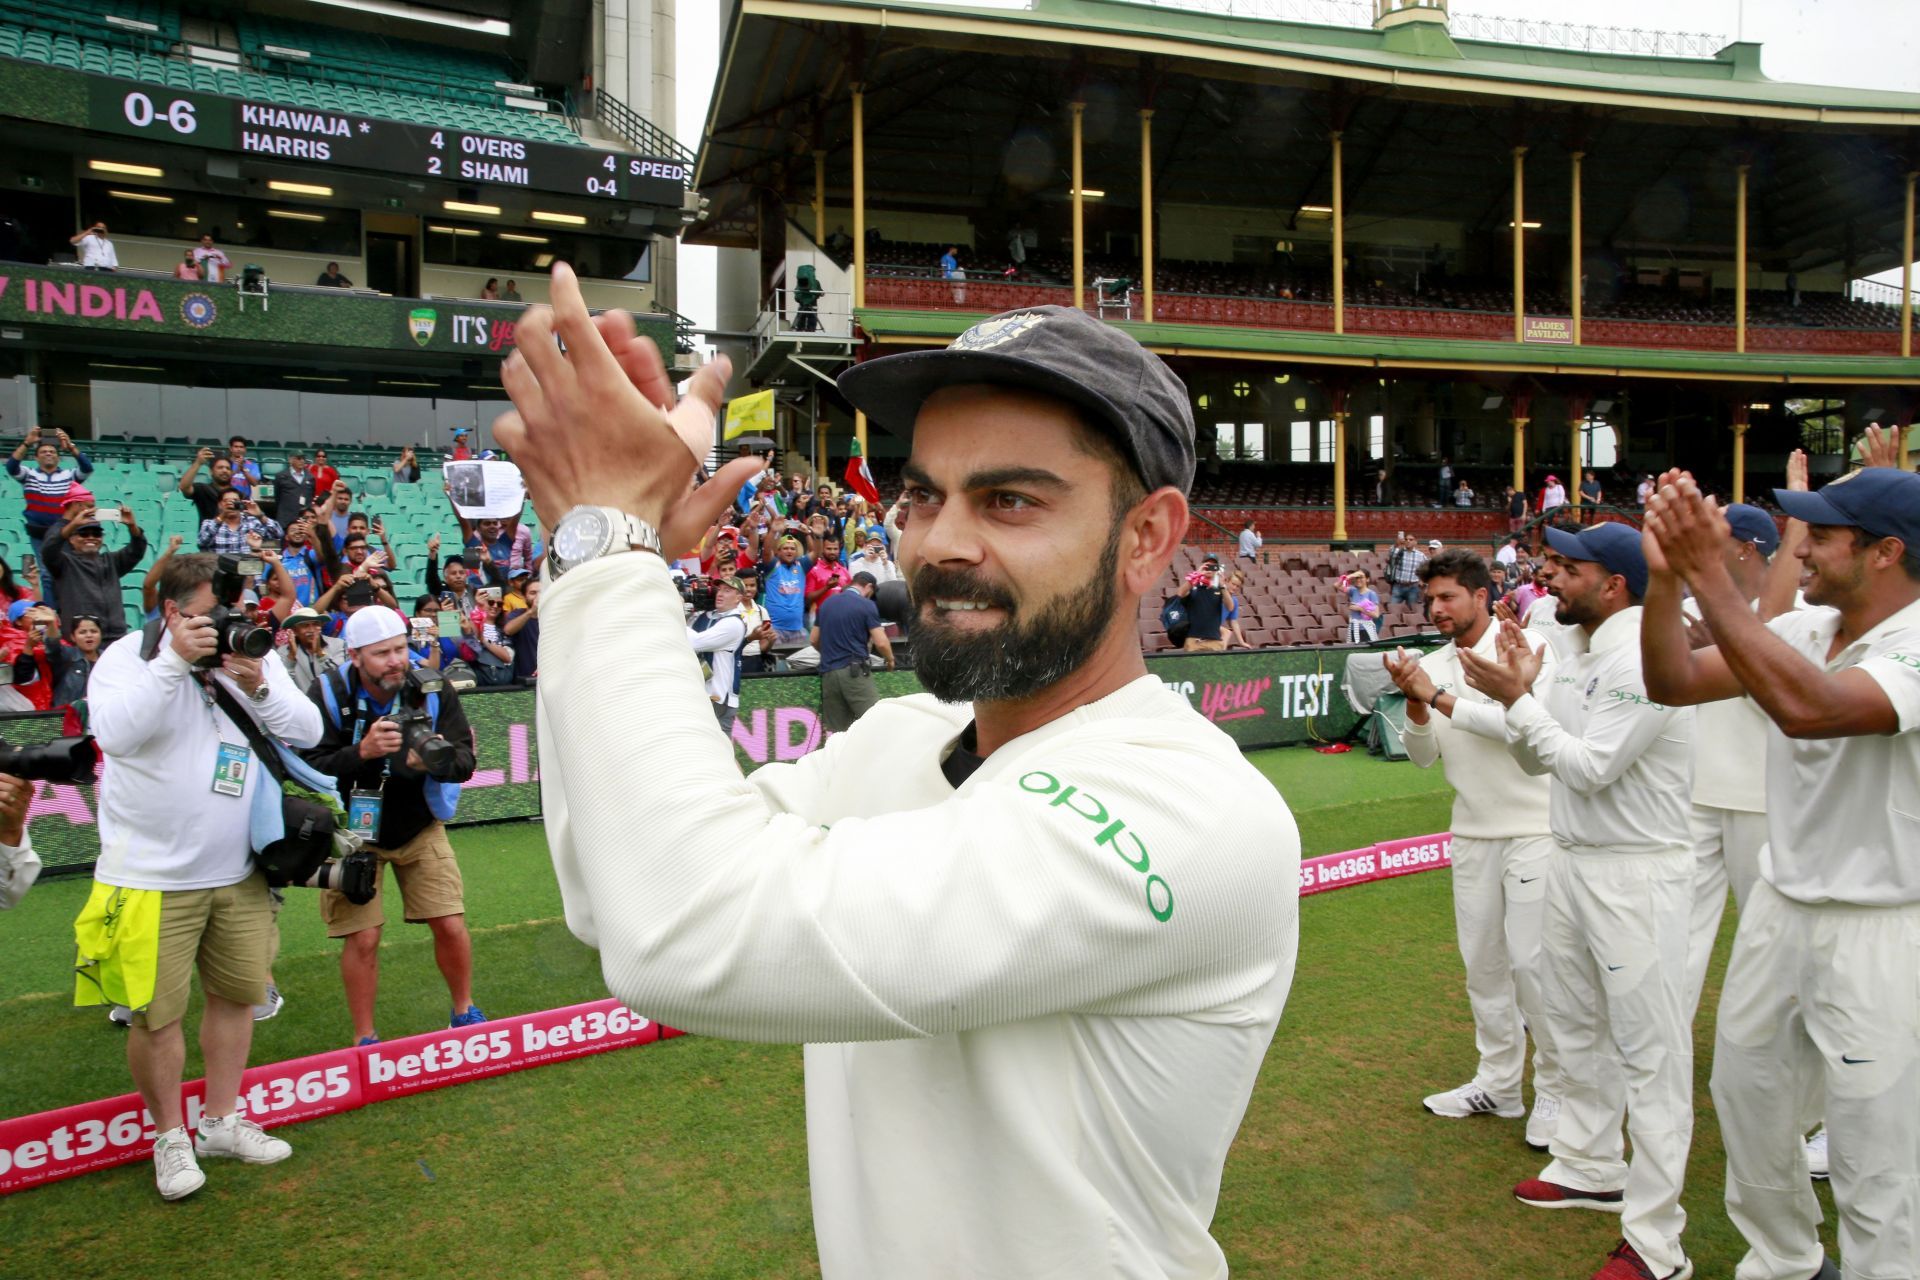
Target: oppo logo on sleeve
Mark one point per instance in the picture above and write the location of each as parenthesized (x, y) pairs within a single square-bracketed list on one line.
[(1112, 836)]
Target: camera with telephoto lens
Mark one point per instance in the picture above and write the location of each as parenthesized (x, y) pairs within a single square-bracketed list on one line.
[(61, 760), (232, 632), (355, 873), (415, 722), (698, 593)]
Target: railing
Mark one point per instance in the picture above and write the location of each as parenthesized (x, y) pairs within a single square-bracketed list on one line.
[(1875, 291), (798, 315), (637, 131), (683, 329)]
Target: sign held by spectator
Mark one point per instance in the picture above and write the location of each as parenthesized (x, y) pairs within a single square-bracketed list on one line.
[(489, 490)]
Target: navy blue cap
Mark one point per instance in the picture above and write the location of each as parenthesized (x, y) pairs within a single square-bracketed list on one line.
[(1878, 501), (1750, 524), (1615, 547)]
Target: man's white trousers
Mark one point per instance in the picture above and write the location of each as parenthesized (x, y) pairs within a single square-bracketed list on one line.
[(1821, 1013), (1499, 911), (1726, 853), (1616, 952)]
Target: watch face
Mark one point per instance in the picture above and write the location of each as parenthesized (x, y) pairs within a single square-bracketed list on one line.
[(580, 537)]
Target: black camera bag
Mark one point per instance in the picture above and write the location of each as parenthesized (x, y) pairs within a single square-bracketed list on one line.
[(308, 842)]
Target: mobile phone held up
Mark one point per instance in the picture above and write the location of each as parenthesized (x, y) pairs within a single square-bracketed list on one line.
[(109, 515)]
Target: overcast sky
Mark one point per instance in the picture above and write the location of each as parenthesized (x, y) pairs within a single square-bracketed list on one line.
[(1872, 44)]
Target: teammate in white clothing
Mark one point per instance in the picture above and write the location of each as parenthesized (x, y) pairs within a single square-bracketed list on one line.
[(1619, 888), (1821, 1008), (1501, 842), (1035, 984), (1729, 818)]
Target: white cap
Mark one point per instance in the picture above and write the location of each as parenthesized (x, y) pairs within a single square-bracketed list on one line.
[(373, 624)]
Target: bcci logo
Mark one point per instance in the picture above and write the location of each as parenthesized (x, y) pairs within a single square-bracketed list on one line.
[(993, 333), (197, 309), (420, 324)]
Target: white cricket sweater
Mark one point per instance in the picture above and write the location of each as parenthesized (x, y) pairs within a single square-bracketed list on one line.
[(1493, 798), (1034, 1006)]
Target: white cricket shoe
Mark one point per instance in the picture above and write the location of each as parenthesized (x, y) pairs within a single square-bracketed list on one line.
[(1817, 1153), (275, 1003), (241, 1140), (1544, 1119), (1471, 1100), (175, 1171)]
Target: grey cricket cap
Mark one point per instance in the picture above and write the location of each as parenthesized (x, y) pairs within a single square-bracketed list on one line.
[(1060, 351)]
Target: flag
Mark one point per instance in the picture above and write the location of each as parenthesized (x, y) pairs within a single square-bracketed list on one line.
[(750, 414), (859, 479)]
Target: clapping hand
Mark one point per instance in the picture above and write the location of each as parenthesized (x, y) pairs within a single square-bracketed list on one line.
[(1686, 530), (1507, 679), (1797, 471), (1409, 677), (174, 543), (1881, 447)]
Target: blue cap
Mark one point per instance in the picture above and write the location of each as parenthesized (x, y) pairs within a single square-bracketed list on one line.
[(1878, 501), (18, 609), (1613, 546), (1750, 524)]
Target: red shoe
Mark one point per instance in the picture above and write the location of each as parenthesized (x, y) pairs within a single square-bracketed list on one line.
[(1624, 1264), (1542, 1194)]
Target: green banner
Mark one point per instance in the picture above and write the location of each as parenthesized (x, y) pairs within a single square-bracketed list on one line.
[(109, 302)]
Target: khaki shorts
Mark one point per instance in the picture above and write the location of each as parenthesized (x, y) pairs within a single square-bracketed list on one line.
[(430, 886), (1204, 646), (225, 933)]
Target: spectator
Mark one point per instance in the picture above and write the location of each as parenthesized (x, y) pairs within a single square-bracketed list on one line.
[(1525, 590), (84, 577), (492, 655), (719, 638), (490, 291), (73, 661), (1231, 630), (847, 630), (497, 547), (1590, 490), (950, 264), (407, 469), (1382, 488), (522, 631), (462, 448), (47, 484), (515, 598), (511, 293), (238, 528), (786, 589), (1509, 553), (453, 586), (205, 495), (1462, 495), (873, 558), (1206, 607), (212, 261), (246, 472), (1362, 606), (186, 268), (1404, 563), (312, 654), (359, 557), (332, 279), (96, 250), (1552, 494), (26, 587), (1446, 475), (1499, 588), (827, 576), (364, 753), (308, 566), (324, 476), (1250, 541), (292, 489), (1516, 509), (1645, 491)]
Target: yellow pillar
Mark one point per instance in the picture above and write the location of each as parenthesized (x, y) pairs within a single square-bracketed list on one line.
[(1906, 274), (819, 449), (1739, 280), (859, 198), (1146, 213), (819, 197), (1519, 244), (1739, 462), (1520, 455), (1575, 289), (1340, 475), (1339, 252), (860, 431), (1079, 241), (1573, 480)]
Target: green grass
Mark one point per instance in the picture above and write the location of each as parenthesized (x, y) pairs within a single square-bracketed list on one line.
[(688, 1158)]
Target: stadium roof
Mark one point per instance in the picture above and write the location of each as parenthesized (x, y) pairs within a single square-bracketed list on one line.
[(1243, 106)]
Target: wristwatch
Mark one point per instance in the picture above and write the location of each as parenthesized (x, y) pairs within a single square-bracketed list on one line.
[(587, 533), (261, 694)]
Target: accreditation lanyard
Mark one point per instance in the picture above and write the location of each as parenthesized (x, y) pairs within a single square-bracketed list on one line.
[(364, 805)]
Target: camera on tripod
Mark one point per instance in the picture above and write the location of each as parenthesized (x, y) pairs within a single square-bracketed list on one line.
[(415, 722), (232, 631)]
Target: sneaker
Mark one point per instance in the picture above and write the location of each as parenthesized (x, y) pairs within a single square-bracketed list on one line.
[(1543, 1121), (175, 1171), (1542, 1194), (1471, 1100), (364, 1041), (241, 1139), (1817, 1154), (1624, 1264), (261, 1012), (120, 1016), (472, 1017)]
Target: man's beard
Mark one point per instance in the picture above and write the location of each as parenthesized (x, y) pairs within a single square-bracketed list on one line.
[(1574, 612), (1016, 659)]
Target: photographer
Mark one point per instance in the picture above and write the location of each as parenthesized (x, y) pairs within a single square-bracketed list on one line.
[(718, 636), (176, 885), (392, 796)]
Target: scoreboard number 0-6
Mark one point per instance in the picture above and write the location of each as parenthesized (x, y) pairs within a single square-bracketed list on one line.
[(177, 115)]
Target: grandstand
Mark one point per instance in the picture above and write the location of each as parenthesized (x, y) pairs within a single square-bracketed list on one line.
[(1370, 241)]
